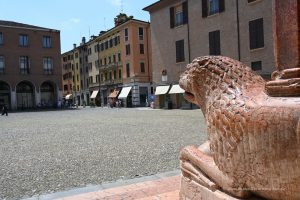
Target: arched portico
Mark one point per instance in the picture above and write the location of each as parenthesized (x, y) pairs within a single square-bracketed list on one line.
[(48, 94), (5, 96), (25, 95)]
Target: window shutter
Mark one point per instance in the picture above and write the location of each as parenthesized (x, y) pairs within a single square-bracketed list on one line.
[(211, 43), (204, 8), (172, 17), (177, 51), (252, 33), (221, 6), (217, 43), (260, 32), (185, 12)]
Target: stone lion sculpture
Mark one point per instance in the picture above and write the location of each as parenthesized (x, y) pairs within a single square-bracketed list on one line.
[(253, 138)]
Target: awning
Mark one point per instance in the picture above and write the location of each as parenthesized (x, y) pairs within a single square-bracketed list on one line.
[(114, 94), (94, 94), (124, 93), (162, 89), (176, 89), (69, 96)]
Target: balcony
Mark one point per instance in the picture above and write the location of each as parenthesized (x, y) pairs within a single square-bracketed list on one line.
[(111, 65)]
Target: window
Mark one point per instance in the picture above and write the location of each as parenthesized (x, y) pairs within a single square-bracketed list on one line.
[(114, 58), (126, 34), (180, 51), (142, 65), (119, 57), (77, 77), (115, 74), (47, 43), (256, 65), (1, 38), (128, 49), (105, 62), (76, 66), (24, 65), (23, 40), (116, 41), (211, 7), (48, 65), (65, 87), (214, 43), (142, 49), (109, 60), (141, 33), (97, 78), (110, 76), (120, 73), (96, 48), (89, 51), (111, 43), (256, 33), (106, 45), (127, 70), (101, 77), (2, 64), (179, 15)]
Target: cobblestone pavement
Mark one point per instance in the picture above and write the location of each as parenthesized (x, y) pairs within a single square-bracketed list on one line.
[(45, 152)]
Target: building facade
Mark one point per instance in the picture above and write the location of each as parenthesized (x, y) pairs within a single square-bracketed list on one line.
[(182, 30), (30, 69), (116, 60)]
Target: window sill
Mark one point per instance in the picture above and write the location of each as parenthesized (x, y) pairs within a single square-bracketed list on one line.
[(254, 2), (257, 49), (213, 15), (180, 62)]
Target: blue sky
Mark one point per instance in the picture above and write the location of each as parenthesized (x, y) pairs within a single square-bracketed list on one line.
[(74, 18)]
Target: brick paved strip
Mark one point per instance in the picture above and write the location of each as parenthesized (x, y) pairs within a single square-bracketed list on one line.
[(164, 189)]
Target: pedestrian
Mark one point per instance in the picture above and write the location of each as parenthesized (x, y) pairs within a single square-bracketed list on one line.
[(4, 110)]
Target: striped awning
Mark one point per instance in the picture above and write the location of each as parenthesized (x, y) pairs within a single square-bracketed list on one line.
[(176, 89), (94, 94), (69, 96), (124, 93), (162, 89)]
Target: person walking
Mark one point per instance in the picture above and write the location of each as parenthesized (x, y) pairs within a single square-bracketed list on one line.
[(4, 110)]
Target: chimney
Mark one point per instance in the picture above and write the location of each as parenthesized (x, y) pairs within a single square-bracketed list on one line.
[(83, 40), (74, 46)]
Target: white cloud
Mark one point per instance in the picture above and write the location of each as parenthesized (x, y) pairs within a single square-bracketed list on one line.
[(75, 20), (115, 2), (70, 23)]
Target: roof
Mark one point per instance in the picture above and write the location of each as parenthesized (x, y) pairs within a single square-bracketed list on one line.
[(26, 26), (158, 4)]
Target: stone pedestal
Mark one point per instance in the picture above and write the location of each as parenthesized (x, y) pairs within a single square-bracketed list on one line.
[(190, 190)]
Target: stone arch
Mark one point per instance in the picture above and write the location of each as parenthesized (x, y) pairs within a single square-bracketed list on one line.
[(25, 92), (5, 94), (48, 91)]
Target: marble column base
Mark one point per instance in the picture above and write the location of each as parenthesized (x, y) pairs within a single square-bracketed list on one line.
[(190, 190)]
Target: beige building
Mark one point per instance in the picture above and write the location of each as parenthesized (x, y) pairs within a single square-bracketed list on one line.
[(30, 70), (182, 30)]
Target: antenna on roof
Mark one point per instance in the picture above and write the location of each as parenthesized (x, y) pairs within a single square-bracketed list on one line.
[(89, 32), (121, 6), (104, 24)]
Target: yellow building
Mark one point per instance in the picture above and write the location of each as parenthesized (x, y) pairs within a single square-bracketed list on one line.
[(119, 58), (71, 75)]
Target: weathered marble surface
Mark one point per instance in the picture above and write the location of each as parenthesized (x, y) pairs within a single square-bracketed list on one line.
[(254, 139)]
